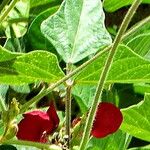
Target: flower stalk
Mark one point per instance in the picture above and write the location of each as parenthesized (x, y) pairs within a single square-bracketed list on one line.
[(105, 72), (69, 84)]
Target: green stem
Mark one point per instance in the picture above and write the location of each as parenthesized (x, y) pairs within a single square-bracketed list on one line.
[(74, 72), (137, 26), (6, 12), (69, 83), (34, 144), (3, 4), (17, 20), (92, 112)]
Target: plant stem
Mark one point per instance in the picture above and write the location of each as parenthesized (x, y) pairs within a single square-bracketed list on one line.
[(3, 4), (103, 76), (74, 72), (6, 12), (69, 83), (17, 20), (34, 144), (136, 26)]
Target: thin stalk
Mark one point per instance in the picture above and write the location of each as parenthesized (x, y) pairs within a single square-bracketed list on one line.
[(6, 12), (34, 144), (3, 4), (74, 72), (103, 76), (17, 20), (68, 105), (136, 26)]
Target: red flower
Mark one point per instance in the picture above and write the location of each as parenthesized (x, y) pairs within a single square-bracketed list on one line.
[(37, 125), (107, 121)]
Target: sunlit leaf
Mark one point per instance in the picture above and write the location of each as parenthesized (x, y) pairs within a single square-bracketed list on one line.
[(128, 67), (141, 45), (35, 37), (113, 5), (137, 119), (77, 29), (31, 67), (116, 141), (6, 55)]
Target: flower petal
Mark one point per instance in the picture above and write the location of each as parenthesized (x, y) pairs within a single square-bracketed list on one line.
[(36, 125), (107, 121), (30, 128), (53, 115)]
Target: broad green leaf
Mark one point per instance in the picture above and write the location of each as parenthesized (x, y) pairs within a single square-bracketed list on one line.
[(141, 45), (35, 37), (3, 92), (21, 10), (141, 148), (137, 119), (141, 88), (22, 147), (31, 67), (5, 55), (84, 96), (15, 45), (21, 89), (116, 141), (35, 3), (113, 5), (77, 29), (144, 29), (128, 67), (39, 6)]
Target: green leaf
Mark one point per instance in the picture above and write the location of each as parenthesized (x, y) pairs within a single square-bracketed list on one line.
[(5, 55), (20, 11), (35, 37), (21, 89), (141, 148), (84, 96), (77, 30), (137, 119), (31, 67), (144, 29), (116, 141), (35, 3), (3, 92), (141, 45), (38, 6), (22, 147), (128, 67), (7, 147), (113, 5), (141, 88)]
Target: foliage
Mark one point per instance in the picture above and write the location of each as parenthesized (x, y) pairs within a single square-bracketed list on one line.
[(56, 50)]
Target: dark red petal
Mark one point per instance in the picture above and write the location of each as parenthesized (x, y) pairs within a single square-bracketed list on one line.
[(30, 128), (107, 121), (33, 126), (36, 125), (53, 115)]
